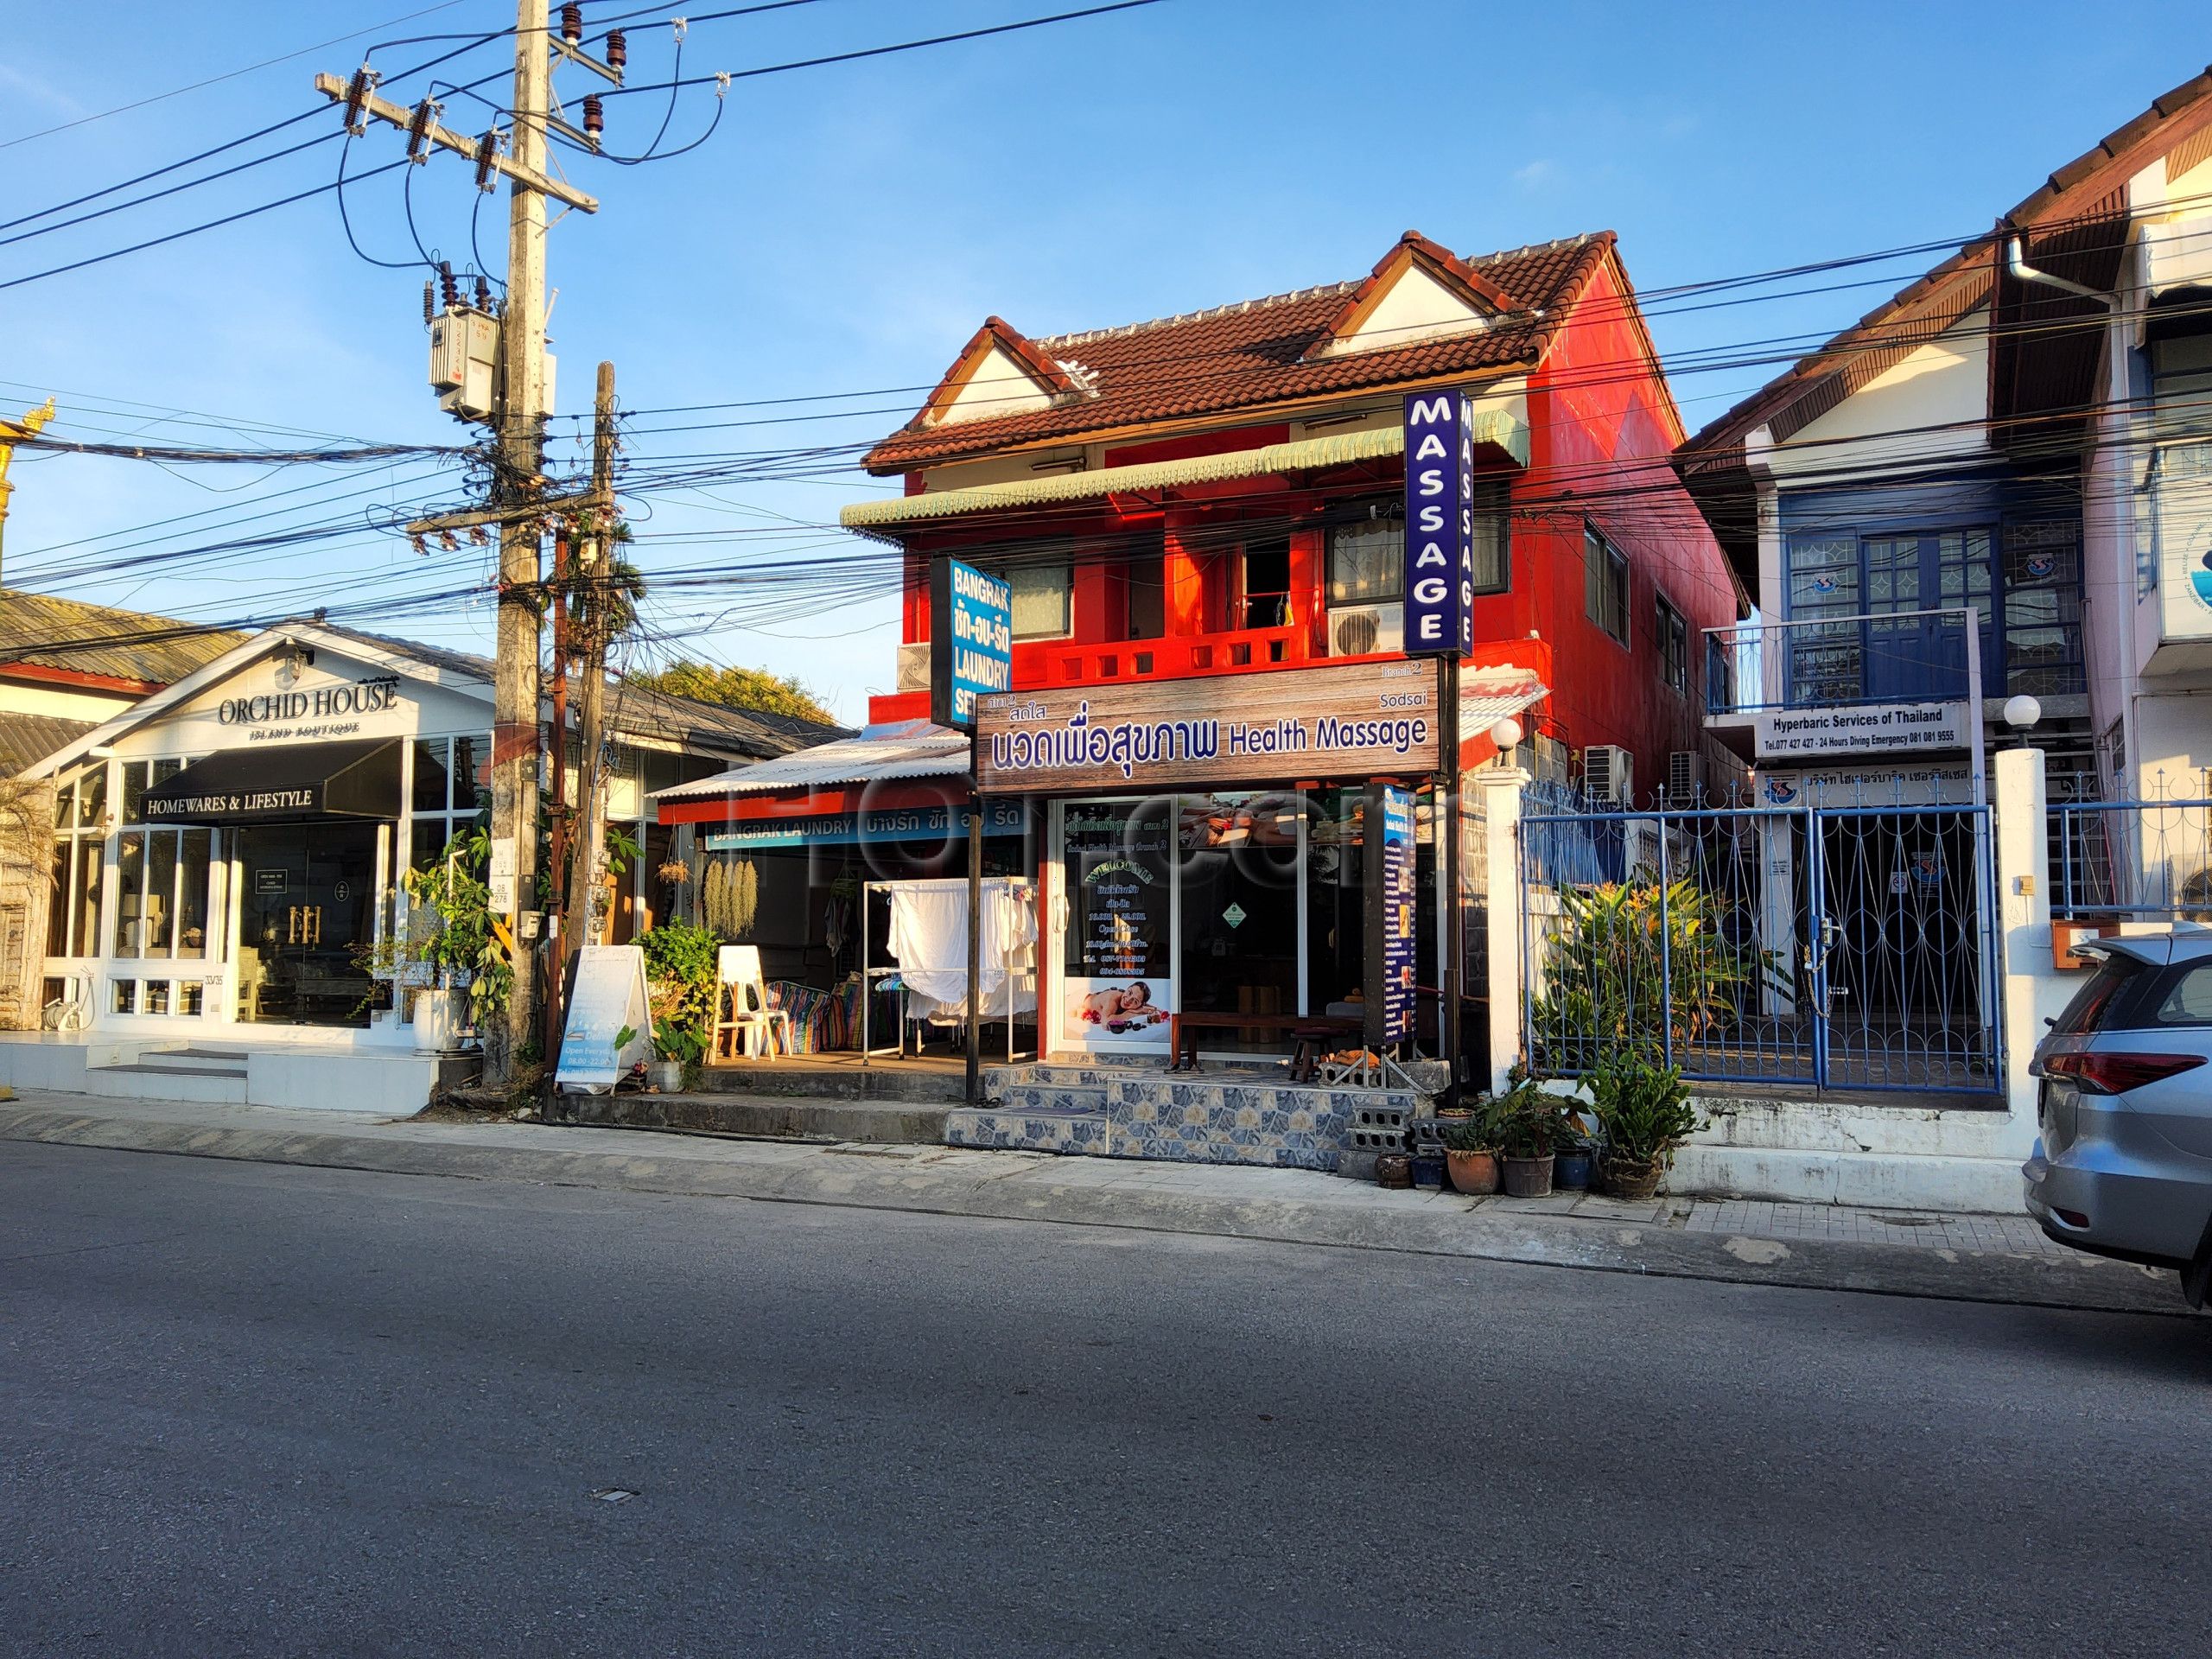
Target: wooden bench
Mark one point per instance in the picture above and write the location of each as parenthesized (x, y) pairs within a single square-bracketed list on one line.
[(1183, 1030)]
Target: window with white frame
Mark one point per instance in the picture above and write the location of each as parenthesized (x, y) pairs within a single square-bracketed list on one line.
[(1605, 591), (452, 785), (164, 919), (73, 920)]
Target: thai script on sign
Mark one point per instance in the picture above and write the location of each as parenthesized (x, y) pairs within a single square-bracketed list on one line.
[(1128, 745)]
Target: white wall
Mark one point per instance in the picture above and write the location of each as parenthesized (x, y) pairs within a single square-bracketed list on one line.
[(1945, 381), (62, 702), (998, 386)]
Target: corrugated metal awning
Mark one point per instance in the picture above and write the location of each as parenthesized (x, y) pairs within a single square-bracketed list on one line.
[(1501, 422), (931, 752)]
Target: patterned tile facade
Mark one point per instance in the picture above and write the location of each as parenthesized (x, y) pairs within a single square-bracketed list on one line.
[(1128, 1113), (1019, 1131)]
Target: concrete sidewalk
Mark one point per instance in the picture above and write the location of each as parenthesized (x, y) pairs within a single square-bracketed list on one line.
[(1970, 1258)]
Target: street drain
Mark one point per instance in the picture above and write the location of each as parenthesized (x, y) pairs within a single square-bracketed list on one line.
[(614, 1494)]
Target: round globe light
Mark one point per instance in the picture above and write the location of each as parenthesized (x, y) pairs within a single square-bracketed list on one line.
[(1506, 733), (2022, 712)]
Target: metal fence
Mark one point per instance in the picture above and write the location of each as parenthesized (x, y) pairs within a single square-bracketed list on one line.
[(1830, 946), (2138, 860)]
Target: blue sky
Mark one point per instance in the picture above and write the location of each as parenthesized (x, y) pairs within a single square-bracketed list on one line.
[(848, 228)]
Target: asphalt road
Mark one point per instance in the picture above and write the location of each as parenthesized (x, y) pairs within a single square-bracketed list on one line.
[(259, 1409)]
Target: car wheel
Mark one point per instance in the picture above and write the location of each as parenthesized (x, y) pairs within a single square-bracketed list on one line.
[(2196, 1277)]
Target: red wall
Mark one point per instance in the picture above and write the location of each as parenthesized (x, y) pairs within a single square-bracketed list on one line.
[(1600, 435)]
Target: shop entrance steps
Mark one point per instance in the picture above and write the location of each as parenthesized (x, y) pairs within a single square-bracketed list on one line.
[(778, 1117), (214, 1074), (1225, 1114)]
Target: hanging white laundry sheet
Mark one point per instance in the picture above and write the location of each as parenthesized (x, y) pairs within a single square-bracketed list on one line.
[(929, 938)]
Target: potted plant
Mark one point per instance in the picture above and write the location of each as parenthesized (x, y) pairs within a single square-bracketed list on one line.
[(1645, 1112), (1471, 1149), (1574, 1166), (1528, 1135), (677, 1047)]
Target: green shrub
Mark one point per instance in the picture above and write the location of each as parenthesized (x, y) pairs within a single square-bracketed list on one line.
[(1632, 963), (1642, 1106), (685, 960)]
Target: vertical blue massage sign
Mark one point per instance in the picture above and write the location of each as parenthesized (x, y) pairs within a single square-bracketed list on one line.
[(971, 640), (1439, 586)]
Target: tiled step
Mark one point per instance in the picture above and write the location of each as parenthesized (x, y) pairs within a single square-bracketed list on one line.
[(1048, 1098), (1027, 1131), (770, 1117)]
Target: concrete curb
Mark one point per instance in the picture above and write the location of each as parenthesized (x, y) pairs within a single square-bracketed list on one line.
[(1035, 1189)]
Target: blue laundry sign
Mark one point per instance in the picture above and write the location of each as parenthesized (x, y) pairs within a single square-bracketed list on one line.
[(847, 828), (1440, 585), (971, 640), (1392, 956)]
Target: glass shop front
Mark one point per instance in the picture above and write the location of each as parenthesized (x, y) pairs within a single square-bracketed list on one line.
[(1227, 879), (1234, 902), (249, 886)]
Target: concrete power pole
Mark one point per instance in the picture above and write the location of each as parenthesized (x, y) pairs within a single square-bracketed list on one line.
[(595, 559), (520, 480), (520, 505)]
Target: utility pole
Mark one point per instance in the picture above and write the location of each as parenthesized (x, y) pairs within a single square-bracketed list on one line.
[(594, 556), (519, 481), (520, 505)]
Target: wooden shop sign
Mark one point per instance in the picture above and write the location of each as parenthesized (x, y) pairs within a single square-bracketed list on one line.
[(1359, 719)]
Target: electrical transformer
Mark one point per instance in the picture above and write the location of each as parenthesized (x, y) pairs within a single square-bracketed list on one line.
[(464, 361)]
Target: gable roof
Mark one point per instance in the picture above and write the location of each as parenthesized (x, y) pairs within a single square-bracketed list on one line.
[(1414, 251), (633, 711), (637, 710), (2067, 216), (39, 631), (1255, 355), (998, 339)]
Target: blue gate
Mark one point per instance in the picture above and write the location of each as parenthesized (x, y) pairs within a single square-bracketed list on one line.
[(1848, 947)]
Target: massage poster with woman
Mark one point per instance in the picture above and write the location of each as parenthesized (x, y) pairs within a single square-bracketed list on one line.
[(1117, 991)]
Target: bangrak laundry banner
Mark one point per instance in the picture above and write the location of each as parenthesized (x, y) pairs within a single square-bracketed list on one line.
[(1362, 720)]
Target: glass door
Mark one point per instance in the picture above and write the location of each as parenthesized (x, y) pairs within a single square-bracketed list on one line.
[(1239, 864), (1117, 977), (305, 894)]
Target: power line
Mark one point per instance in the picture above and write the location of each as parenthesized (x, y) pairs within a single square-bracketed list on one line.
[(228, 74)]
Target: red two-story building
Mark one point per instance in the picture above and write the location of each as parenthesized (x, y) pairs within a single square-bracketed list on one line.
[(1204, 515)]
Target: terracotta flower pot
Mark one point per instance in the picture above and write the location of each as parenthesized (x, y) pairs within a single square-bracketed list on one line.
[(1528, 1177), (1635, 1178), (1474, 1173)]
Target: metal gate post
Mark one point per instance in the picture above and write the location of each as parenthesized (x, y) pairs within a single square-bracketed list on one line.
[(1666, 955), (1816, 934)]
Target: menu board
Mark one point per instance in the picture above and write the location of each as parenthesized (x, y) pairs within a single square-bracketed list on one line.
[(1391, 903), (1117, 985), (610, 1022)]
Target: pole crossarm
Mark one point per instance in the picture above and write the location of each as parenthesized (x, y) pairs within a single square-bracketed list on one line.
[(336, 88), (478, 518)]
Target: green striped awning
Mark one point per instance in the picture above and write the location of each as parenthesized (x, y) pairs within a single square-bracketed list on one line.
[(1502, 423)]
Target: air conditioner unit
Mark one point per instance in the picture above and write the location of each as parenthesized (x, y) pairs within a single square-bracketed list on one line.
[(1606, 771), (1685, 776), (1363, 630), (914, 666)]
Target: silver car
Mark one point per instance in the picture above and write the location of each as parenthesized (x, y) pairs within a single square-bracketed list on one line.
[(2123, 1164)]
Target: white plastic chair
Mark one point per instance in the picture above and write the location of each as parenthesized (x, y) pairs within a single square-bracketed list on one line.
[(741, 1007)]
